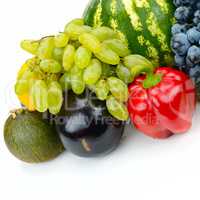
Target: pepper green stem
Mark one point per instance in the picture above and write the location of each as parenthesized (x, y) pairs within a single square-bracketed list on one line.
[(151, 78), (142, 69)]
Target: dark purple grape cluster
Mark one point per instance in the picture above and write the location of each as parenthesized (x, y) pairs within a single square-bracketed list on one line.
[(185, 41)]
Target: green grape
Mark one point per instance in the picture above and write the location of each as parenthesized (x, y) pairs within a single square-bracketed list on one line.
[(108, 56), (32, 62), (90, 42), (117, 109), (58, 54), (30, 70), (93, 72), (30, 46), (50, 66), (74, 30), (78, 21), (137, 63), (45, 49), (68, 57), (21, 87), (82, 57), (124, 74), (75, 43), (119, 47), (77, 83), (108, 70), (54, 97), (118, 89), (65, 81), (27, 71), (104, 33), (102, 90), (38, 73), (27, 75), (51, 77), (39, 94), (70, 26), (61, 40), (25, 78)]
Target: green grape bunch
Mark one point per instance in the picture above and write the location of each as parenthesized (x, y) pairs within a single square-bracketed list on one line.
[(78, 58)]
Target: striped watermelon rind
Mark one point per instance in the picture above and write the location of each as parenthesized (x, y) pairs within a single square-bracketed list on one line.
[(144, 24)]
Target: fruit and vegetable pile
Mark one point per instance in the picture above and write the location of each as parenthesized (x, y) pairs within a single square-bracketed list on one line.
[(124, 59)]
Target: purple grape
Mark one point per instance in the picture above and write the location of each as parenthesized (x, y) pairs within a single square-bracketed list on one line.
[(189, 63), (198, 27), (193, 35), (178, 28), (194, 74), (197, 14), (179, 60), (183, 14), (198, 5), (195, 71), (180, 44), (187, 51), (193, 55), (178, 3), (196, 19)]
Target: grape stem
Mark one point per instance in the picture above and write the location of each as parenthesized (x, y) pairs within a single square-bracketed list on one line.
[(45, 37)]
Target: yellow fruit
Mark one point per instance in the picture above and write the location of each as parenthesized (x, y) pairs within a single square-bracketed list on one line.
[(25, 98), (22, 70), (27, 102)]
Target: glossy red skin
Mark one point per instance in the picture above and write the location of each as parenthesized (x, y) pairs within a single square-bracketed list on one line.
[(165, 109)]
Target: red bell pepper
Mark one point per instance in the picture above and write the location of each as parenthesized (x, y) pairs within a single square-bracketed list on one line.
[(162, 103)]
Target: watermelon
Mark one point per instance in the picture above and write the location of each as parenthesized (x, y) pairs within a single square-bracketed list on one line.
[(144, 24)]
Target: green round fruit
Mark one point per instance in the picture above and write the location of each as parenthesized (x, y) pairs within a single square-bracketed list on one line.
[(30, 138), (144, 24)]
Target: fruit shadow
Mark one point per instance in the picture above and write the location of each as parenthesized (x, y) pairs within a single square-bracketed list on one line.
[(134, 146)]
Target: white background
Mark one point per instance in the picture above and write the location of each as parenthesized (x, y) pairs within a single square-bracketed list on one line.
[(141, 168)]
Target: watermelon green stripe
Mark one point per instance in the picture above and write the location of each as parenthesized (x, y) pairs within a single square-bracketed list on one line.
[(145, 24), (104, 15), (142, 3), (112, 13), (164, 6), (158, 48), (113, 20), (162, 10), (113, 7), (125, 26), (97, 17), (91, 8), (133, 15), (146, 39), (146, 46), (155, 30), (160, 16), (165, 32)]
